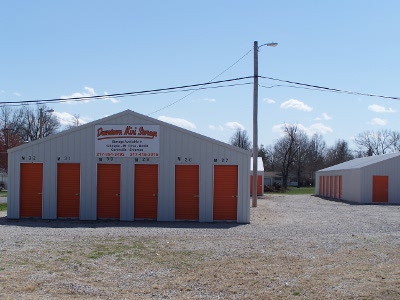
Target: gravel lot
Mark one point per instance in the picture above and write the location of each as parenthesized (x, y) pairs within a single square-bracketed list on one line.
[(296, 247)]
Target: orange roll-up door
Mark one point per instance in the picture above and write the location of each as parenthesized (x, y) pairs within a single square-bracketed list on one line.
[(380, 187), (336, 187), (31, 186), (321, 186), (225, 192), (108, 191), (146, 191), (68, 189), (259, 185), (187, 192)]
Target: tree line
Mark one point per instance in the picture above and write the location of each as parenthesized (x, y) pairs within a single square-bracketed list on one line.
[(24, 124), (296, 154)]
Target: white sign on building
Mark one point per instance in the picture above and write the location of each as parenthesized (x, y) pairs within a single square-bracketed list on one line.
[(127, 140)]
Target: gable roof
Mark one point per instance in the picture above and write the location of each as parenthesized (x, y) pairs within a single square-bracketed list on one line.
[(125, 113), (362, 162)]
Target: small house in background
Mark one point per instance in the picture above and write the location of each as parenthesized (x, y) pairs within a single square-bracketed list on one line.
[(3, 180), (271, 178), (373, 179), (260, 176)]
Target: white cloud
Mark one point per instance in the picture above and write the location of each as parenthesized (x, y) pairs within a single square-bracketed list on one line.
[(295, 104), (381, 109), (318, 128), (234, 125), (113, 100), (66, 119), (218, 127), (89, 92), (324, 116), (227, 126), (17, 94), (378, 121), (210, 100), (178, 122), (269, 101)]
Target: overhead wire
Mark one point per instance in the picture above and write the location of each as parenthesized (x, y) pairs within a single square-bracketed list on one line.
[(331, 89), (128, 94), (180, 99), (193, 88)]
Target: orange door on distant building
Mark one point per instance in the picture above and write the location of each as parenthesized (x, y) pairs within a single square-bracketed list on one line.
[(330, 186), (321, 185), (340, 188), (336, 187), (31, 188), (380, 188), (259, 185), (146, 191), (108, 191), (186, 192), (68, 189), (225, 192)]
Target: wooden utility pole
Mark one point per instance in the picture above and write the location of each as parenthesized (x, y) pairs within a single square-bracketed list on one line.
[(255, 126), (255, 120)]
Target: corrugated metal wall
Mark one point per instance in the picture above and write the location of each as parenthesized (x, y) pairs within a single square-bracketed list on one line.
[(177, 146), (357, 184)]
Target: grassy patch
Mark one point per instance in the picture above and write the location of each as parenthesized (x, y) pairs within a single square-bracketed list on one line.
[(297, 191), (101, 250), (3, 193), (300, 191), (3, 206)]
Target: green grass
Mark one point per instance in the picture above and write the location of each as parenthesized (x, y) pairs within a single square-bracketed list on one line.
[(3, 193), (3, 206), (297, 191)]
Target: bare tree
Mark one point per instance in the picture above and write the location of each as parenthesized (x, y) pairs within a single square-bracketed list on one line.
[(339, 153), (75, 122), (375, 143), (241, 139), (285, 151), (300, 154), (8, 136), (29, 121), (395, 140), (315, 157), (267, 155)]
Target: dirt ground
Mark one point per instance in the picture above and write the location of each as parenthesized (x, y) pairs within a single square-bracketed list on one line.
[(296, 247)]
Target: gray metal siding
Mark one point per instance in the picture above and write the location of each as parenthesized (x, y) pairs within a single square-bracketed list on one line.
[(358, 182), (77, 146)]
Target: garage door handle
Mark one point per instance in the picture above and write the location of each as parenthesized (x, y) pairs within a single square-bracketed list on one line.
[(40, 193), (196, 196), (155, 195), (234, 196), (77, 194), (117, 195)]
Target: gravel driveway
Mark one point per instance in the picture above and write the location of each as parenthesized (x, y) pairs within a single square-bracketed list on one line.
[(296, 247)]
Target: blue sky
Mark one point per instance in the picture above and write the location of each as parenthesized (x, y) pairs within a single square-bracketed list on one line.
[(53, 49)]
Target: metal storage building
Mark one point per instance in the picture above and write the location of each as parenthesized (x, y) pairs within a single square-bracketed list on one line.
[(373, 179), (260, 176), (129, 167)]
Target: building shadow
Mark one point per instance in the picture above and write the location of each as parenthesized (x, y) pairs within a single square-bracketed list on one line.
[(75, 223)]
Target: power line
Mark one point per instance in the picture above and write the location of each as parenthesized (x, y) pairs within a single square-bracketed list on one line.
[(311, 86), (199, 89), (121, 95)]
